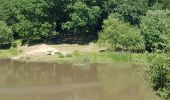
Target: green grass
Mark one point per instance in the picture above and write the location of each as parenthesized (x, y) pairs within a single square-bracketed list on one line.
[(82, 57), (77, 56), (110, 56), (9, 52)]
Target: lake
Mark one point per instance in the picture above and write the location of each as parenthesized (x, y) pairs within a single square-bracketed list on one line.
[(65, 81)]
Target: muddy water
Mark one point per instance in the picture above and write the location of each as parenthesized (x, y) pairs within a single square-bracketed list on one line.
[(54, 81)]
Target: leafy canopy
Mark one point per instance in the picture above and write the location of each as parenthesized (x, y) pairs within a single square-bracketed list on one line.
[(119, 35), (82, 17), (5, 34), (155, 28)]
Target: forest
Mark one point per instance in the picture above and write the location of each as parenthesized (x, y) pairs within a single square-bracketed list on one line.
[(135, 26)]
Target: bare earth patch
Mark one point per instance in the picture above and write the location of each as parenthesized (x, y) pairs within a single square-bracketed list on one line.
[(44, 49), (68, 48)]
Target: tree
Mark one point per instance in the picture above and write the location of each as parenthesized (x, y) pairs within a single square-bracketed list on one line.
[(155, 28), (165, 4), (29, 19), (83, 18), (161, 4), (130, 10), (6, 36), (120, 36)]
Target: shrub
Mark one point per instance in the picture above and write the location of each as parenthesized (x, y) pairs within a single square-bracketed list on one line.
[(6, 36), (159, 74), (16, 43), (156, 30), (118, 35)]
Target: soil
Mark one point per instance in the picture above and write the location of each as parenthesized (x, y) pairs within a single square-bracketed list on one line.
[(43, 49)]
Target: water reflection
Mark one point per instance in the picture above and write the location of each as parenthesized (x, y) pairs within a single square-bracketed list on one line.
[(54, 81)]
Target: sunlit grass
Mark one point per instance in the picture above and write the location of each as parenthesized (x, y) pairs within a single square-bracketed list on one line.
[(9, 52), (90, 57), (110, 56)]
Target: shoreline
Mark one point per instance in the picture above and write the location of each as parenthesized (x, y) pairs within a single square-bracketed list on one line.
[(69, 53), (81, 57)]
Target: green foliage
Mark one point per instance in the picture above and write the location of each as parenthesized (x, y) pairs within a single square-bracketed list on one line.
[(165, 4), (165, 93), (5, 34), (155, 28), (107, 56), (120, 36), (159, 73), (161, 4), (34, 20), (16, 43), (29, 19), (130, 10), (82, 17), (9, 53)]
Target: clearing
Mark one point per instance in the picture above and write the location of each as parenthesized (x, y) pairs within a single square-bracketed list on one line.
[(45, 49)]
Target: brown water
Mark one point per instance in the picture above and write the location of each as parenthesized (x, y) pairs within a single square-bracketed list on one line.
[(54, 81)]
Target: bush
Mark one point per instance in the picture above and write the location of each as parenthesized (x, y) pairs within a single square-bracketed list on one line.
[(16, 43), (9, 53), (120, 36), (156, 30), (159, 73), (6, 36)]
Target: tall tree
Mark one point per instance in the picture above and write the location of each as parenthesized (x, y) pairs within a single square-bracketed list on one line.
[(130, 10), (155, 28), (29, 19), (83, 17), (5, 34)]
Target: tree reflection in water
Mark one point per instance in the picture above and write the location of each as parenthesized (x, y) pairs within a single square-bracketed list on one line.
[(55, 81)]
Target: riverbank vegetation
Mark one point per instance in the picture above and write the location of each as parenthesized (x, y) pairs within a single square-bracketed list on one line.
[(89, 57), (9, 53), (135, 26), (159, 72)]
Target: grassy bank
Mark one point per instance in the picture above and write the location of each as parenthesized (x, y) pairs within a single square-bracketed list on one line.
[(9, 52), (86, 57), (108, 56)]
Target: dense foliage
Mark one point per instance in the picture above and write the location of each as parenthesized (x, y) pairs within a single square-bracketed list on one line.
[(156, 30), (82, 17), (129, 10), (32, 20), (121, 36), (159, 71), (29, 19), (5, 34)]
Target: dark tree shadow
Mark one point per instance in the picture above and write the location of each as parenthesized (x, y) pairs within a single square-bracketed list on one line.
[(68, 39), (5, 46)]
